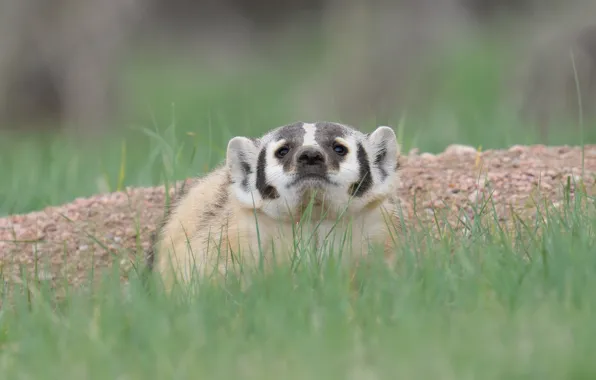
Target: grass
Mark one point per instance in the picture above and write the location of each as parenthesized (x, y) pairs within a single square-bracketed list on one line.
[(488, 305), (493, 305), (197, 112)]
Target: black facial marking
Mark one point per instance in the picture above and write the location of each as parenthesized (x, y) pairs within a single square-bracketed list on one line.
[(267, 191), (365, 180), (379, 159), (270, 193), (293, 134), (325, 135)]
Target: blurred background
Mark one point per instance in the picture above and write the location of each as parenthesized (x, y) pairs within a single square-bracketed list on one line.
[(99, 95)]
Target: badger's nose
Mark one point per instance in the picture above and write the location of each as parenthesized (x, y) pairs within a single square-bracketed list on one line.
[(310, 156)]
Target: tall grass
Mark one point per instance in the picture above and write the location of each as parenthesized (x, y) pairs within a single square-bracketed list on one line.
[(490, 304)]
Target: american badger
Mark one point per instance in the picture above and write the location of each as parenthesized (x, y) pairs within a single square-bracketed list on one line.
[(303, 186)]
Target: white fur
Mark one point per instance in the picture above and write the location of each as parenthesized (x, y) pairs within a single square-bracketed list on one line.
[(309, 135)]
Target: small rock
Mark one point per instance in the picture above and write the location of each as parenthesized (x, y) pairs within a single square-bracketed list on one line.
[(517, 148), (458, 150), (50, 228), (428, 156)]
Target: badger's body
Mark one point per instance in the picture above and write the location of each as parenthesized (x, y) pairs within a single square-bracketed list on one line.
[(302, 187)]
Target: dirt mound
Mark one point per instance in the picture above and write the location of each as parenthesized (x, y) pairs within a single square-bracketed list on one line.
[(93, 233)]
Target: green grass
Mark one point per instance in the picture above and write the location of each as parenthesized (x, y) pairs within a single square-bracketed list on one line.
[(173, 98), (490, 305)]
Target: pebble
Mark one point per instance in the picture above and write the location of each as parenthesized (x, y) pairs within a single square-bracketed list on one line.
[(428, 156), (458, 150), (518, 148)]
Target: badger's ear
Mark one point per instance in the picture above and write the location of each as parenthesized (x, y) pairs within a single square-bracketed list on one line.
[(384, 150), (241, 159)]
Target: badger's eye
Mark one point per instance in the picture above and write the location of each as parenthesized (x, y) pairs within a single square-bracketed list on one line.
[(282, 151), (340, 149)]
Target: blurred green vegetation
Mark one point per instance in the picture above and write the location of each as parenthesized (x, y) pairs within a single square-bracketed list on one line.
[(197, 111)]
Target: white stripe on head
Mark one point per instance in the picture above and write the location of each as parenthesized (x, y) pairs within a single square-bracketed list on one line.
[(309, 134)]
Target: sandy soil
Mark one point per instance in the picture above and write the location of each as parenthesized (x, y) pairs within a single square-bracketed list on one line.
[(66, 242)]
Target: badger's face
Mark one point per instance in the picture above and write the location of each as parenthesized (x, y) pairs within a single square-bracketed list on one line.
[(332, 165)]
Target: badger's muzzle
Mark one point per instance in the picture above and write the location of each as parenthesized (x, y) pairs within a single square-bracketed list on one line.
[(310, 160)]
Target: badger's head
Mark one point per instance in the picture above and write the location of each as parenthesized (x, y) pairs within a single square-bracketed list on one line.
[(336, 166)]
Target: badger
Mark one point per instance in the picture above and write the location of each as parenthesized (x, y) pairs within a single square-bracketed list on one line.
[(316, 187)]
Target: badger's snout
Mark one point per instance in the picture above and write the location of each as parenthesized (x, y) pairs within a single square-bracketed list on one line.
[(311, 159)]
